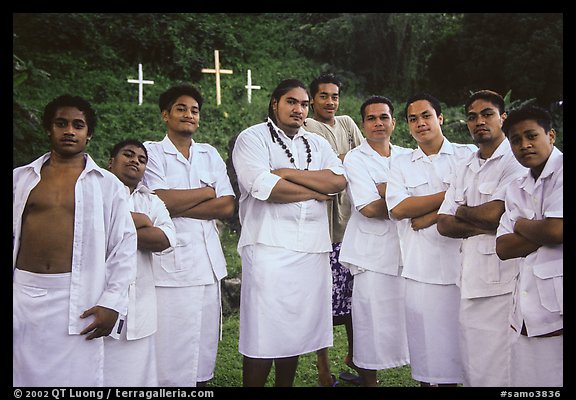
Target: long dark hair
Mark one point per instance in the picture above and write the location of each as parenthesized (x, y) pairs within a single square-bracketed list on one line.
[(283, 87)]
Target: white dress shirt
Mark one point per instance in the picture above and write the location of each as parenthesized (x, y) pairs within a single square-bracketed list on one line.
[(104, 243), (142, 318), (477, 182), (299, 226), (427, 256), (370, 243), (539, 293), (198, 257)]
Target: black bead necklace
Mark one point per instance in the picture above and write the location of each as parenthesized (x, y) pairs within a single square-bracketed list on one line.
[(276, 138)]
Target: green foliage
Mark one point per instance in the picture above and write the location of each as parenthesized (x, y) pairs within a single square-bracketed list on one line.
[(500, 51), (93, 55)]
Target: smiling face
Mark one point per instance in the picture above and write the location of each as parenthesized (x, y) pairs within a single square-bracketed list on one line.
[(69, 132), (326, 102), (183, 117), (129, 165), (424, 124)]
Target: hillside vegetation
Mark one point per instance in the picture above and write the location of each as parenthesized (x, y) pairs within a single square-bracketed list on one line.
[(93, 55)]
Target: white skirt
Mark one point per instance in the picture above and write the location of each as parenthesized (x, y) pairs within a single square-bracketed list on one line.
[(130, 363), (537, 362), (378, 321), (43, 352), (485, 336), (178, 334), (209, 331), (285, 302), (432, 326)]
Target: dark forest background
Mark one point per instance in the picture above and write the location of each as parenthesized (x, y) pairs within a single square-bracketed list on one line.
[(394, 54)]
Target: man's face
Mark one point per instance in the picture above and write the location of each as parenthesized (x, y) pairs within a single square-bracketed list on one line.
[(530, 143), (183, 117), (378, 123), (423, 122), (69, 131), (129, 165), (484, 121), (291, 110), (326, 102)]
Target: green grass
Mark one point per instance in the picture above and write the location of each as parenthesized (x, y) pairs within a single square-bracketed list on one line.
[(229, 362)]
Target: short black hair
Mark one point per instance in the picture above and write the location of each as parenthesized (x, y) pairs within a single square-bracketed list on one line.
[(434, 102), (169, 97), (376, 100), (324, 78), (530, 112), (126, 142), (488, 95), (67, 100)]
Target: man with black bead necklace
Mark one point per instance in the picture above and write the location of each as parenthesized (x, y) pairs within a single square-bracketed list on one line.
[(285, 176)]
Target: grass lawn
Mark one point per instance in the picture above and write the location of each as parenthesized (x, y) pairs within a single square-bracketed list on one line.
[(229, 362)]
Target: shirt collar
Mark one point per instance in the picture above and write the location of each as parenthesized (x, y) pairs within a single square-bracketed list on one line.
[(553, 164), (301, 130), (141, 188), (446, 148), (91, 165)]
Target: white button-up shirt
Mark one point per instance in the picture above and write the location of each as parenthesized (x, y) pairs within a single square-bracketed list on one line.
[(299, 226), (477, 182), (370, 243), (142, 317), (539, 293), (427, 256), (198, 257), (104, 243)]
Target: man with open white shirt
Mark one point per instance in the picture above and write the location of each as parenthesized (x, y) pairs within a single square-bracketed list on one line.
[(74, 255), (371, 248), (471, 210), (431, 262), (192, 181), (285, 176)]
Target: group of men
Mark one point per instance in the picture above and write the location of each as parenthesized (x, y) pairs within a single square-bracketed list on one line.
[(447, 257)]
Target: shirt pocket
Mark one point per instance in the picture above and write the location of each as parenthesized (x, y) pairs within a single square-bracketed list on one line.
[(518, 212), (416, 184), (488, 188), (490, 262), (177, 180), (177, 260), (549, 281), (370, 235), (494, 270), (373, 226), (207, 178), (460, 196)]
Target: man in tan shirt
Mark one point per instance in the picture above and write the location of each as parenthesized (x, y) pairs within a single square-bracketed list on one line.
[(343, 135)]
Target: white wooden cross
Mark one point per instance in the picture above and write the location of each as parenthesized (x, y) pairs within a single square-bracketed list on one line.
[(250, 87), (141, 82), (217, 71)]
